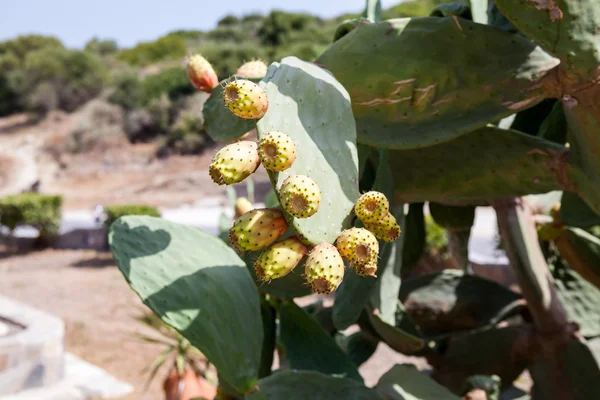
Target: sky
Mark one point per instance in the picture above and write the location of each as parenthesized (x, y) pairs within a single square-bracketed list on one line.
[(74, 22)]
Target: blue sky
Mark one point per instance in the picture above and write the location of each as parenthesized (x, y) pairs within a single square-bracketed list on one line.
[(131, 21)]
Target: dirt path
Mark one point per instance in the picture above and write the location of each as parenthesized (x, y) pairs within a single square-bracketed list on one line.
[(89, 294)]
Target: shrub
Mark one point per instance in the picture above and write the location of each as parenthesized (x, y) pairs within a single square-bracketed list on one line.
[(128, 91), (98, 122), (39, 211), (70, 77), (102, 47), (168, 47), (115, 212), (172, 81)]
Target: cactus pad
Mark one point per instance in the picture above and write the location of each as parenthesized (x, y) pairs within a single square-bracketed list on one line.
[(428, 83), (205, 292), (313, 109)]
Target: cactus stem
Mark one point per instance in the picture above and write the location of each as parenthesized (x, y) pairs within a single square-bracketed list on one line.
[(519, 235)]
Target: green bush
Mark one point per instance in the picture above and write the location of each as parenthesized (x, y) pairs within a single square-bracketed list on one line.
[(168, 47), (103, 47), (128, 91), (115, 212), (57, 77), (39, 211), (436, 238), (172, 81)]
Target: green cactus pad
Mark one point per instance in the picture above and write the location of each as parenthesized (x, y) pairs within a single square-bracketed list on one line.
[(269, 316), (313, 109), (580, 298), (581, 250), (359, 346), (308, 347), (565, 28), (455, 218), (470, 354), (302, 385), (414, 237), (421, 81), (452, 301), (405, 382), (205, 292), (575, 212), (481, 165), (220, 123)]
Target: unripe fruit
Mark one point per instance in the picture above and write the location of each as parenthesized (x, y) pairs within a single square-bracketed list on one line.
[(201, 74), (279, 259), (234, 163), (324, 268), (253, 69), (257, 229), (277, 151), (242, 205), (300, 196), (371, 207), (387, 229), (359, 246), (245, 99)]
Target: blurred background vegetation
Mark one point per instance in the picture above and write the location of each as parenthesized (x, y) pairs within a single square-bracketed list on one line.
[(143, 92)]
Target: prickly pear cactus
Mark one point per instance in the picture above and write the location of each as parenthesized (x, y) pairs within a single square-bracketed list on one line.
[(205, 292), (313, 109), (427, 81)]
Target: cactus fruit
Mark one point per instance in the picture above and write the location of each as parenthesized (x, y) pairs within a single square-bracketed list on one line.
[(277, 151), (300, 196), (279, 259), (201, 74), (245, 99), (365, 270), (371, 207), (387, 229), (358, 245), (242, 205), (257, 229), (234, 163), (324, 268), (253, 69)]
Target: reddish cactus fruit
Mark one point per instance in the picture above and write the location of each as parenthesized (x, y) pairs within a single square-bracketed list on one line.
[(201, 74)]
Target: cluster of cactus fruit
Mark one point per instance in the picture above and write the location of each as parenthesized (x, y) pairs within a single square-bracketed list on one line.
[(300, 197), (493, 104)]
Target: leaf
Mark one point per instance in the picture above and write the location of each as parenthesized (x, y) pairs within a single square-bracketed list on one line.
[(404, 382), (303, 385), (197, 285), (481, 165), (565, 28), (576, 213), (425, 83), (308, 347), (451, 300)]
